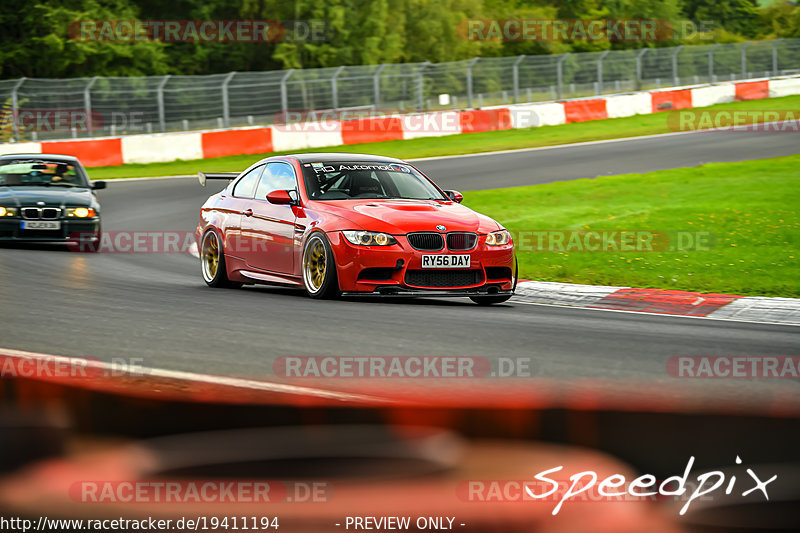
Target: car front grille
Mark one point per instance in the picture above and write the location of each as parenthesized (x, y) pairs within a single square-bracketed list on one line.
[(426, 241), (44, 213), (39, 234), (50, 213), (498, 272), (376, 274), (460, 242), (443, 278)]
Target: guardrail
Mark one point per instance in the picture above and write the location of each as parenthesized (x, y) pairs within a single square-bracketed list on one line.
[(162, 147)]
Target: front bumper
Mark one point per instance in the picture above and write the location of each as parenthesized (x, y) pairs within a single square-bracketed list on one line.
[(11, 230), (396, 270)]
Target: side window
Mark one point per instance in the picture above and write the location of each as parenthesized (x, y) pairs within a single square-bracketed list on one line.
[(278, 176), (246, 187)]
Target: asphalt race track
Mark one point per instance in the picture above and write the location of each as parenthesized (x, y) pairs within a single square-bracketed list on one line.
[(157, 308), (605, 158)]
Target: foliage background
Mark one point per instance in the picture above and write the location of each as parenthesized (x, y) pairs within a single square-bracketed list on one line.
[(35, 40)]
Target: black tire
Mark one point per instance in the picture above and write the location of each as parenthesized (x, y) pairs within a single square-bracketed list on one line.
[(319, 268), (212, 262), (489, 300), (79, 243), (95, 246)]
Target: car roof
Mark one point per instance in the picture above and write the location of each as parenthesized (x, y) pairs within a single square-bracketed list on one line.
[(342, 156), (58, 158)]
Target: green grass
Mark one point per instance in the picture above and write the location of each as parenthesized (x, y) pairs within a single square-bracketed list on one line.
[(455, 144), (752, 209)]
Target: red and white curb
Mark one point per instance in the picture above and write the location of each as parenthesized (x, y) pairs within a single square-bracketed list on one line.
[(662, 301)]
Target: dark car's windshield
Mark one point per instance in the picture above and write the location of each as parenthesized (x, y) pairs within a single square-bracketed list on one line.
[(366, 179), (26, 172)]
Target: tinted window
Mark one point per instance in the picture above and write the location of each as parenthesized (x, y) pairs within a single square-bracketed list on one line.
[(366, 179), (277, 176), (246, 186), (40, 172)]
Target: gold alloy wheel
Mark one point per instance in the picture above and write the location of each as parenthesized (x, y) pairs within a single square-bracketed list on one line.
[(314, 265), (210, 256)]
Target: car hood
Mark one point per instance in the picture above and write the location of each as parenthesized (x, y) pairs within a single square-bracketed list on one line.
[(18, 196), (403, 216)]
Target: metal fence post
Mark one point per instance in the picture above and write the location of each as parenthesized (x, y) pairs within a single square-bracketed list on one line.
[(469, 80), (600, 71), (87, 104), (515, 77), (775, 44), (421, 86), (335, 88), (226, 112), (376, 85), (560, 74), (639, 76), (15, 108), (162, 121), (744, 59), (711, 62), (284, 92), (676, 79)]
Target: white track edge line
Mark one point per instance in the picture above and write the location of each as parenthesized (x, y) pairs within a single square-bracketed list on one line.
[(204, 378)]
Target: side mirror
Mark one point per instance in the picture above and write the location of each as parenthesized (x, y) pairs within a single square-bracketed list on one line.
[(280, 198), (97, 185), (455, 196)]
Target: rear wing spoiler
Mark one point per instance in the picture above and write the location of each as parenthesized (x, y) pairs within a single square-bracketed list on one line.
[(203, 176)]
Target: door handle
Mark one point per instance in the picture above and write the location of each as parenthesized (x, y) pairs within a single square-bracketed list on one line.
[(248, 213)]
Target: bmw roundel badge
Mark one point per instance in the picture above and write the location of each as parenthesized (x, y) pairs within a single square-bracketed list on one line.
[(440, 227)]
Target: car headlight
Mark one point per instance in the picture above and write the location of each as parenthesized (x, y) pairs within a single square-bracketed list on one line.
[(369, 238), (81, 212), (498, 238), (8, 211)]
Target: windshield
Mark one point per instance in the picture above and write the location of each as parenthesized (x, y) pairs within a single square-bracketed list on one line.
[(15, 172), (366, 179)]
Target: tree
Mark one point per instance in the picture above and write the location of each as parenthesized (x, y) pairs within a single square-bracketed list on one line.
[(737, 16), (35, 42)]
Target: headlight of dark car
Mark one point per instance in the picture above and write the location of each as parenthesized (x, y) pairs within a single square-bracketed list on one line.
[(81, 212)]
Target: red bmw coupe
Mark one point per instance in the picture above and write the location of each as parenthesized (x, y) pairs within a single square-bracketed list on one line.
[(351, 224)]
